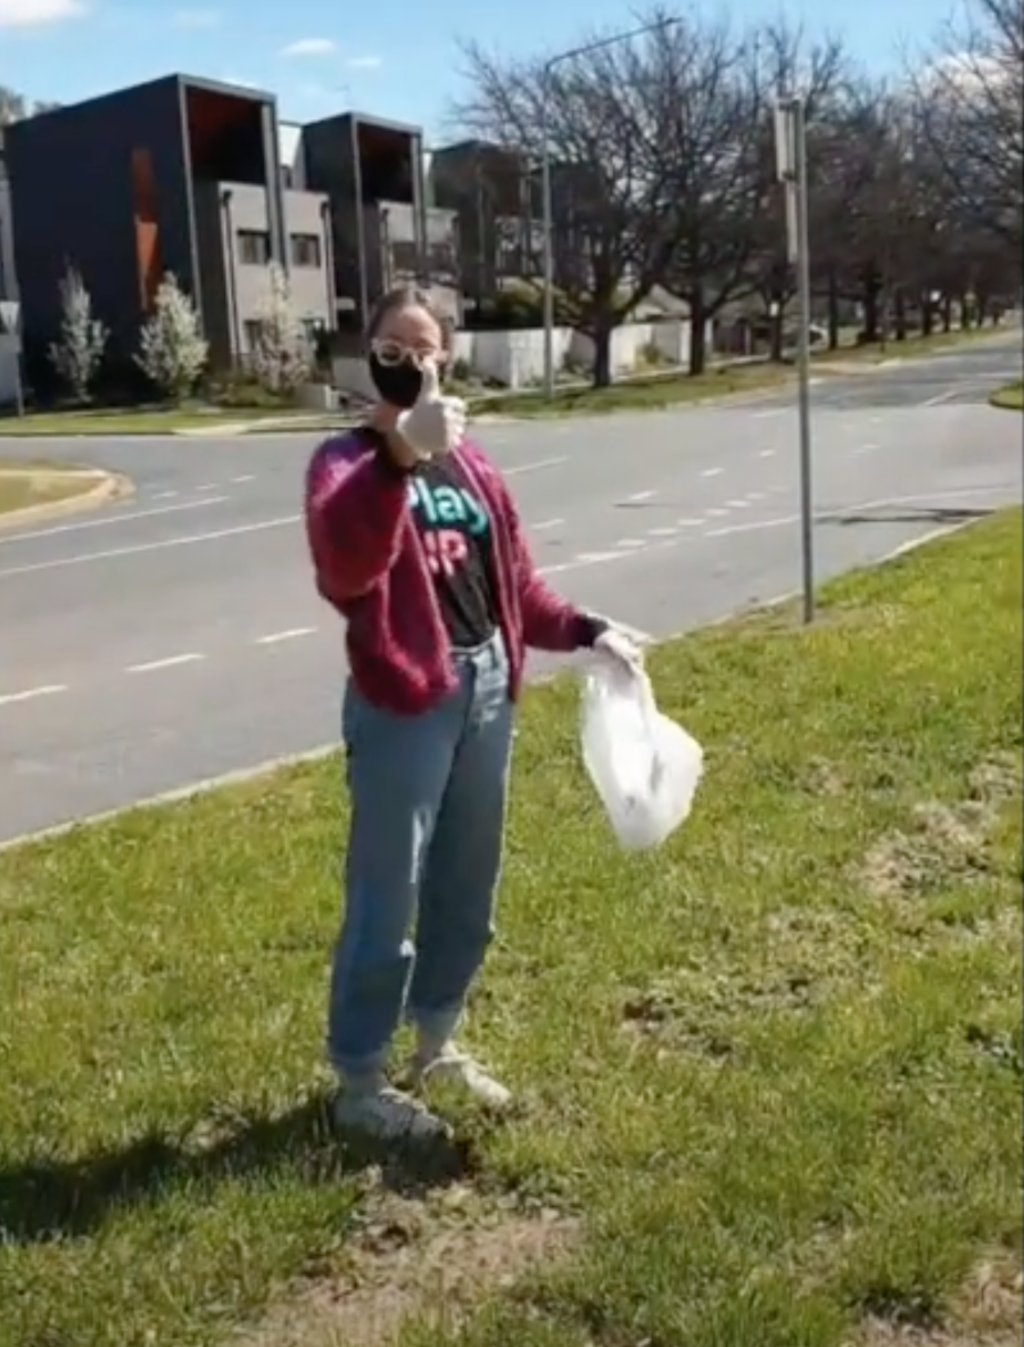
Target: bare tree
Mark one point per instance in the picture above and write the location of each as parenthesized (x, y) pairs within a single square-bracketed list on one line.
[(607, 193), (783, 61), (970, 93)]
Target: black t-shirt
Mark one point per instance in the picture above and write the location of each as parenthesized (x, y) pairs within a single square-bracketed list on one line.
[(458, 540)]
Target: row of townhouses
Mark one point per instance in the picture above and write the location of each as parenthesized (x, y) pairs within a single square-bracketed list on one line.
[(204, 180)]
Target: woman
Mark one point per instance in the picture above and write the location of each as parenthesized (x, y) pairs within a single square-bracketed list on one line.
[(416, 542)]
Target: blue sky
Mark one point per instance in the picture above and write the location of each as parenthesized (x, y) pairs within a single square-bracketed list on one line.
[(397, 59)]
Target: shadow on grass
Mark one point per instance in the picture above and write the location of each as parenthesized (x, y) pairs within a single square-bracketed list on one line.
[(44, 1200)]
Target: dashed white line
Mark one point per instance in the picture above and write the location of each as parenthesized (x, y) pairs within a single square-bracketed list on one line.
[(593, 558), (207, 486), (276, 637), (738, 504), (163, 495), (28, 694), (547, 524), (245, 477), (712, 472), (663, 532), (689, 523), (111, 520), (631, 542), (754, 496), (171, 662), (535, 467), (108, 554), (638, 497), (767, 453), (716, 513)]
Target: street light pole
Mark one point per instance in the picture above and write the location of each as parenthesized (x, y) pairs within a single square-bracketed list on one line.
[(548, 244), (791, 150)]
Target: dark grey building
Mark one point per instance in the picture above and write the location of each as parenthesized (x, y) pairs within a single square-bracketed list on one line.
[(495, 197), (384, 231), (180, 175)]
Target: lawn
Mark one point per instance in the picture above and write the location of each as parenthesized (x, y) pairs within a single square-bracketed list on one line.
[(771, 1075), (25, 485), (1011, 398), (130, 421)]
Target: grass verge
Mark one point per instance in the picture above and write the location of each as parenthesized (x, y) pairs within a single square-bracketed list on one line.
[(1011, 397), (771, 1074), (26, 485), (112, 422)]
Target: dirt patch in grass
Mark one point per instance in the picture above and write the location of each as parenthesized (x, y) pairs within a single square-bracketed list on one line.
[(426, 1260), (943, 842), (987, 1313)]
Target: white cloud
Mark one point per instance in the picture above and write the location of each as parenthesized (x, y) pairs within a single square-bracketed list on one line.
[(36, 13), (308, 46), (363, 63), (197, 18)]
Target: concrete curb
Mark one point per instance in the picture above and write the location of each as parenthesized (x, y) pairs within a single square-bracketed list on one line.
[(269, 766), (110, 486)]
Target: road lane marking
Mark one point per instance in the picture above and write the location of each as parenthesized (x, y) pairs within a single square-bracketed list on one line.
[(171, 662), (712, 472), (207, 486), (663, 532), (547, 524), (767, 453), (631, 542), (716, 513), (738, 504), (113, 519), (689, 523), (189, 540), (535, 467), (163, 495), (293, 634), (27, 694), (638, 497), (245, 477)]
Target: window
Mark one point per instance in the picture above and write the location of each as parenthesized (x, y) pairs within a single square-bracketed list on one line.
[(253, 247), (305, 250), (253, 328)]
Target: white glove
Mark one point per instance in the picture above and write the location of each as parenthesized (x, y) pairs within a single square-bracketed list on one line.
[(436, 424), (620, 650)]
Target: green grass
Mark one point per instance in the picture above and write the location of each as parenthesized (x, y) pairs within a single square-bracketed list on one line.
[(23, 486), (1011, 398), (771, 1074), (649, 394), (130, 421)]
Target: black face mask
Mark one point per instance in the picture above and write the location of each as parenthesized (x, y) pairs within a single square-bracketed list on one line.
[(398, 384)]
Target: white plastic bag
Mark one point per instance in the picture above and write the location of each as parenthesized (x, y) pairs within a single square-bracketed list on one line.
[(645, 767)]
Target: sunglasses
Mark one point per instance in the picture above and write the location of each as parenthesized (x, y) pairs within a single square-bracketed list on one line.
[(394, 353)]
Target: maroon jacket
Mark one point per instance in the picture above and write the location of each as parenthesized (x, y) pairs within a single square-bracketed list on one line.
[(370, 565)]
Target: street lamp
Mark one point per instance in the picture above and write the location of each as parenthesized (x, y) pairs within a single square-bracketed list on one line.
[(791, 155), (548, 226)]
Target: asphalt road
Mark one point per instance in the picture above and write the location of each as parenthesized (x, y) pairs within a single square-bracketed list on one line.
[(176, 636)]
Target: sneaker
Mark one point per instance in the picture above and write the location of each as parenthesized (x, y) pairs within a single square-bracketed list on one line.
[(388, 1115), (450, 1066)]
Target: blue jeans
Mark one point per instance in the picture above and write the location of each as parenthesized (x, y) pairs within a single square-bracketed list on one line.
[(428, 797)]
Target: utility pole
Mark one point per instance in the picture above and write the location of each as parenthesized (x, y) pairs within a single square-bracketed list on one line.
[(791, 157)]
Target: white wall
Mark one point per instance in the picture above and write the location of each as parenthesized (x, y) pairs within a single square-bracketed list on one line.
[(516, 358)]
